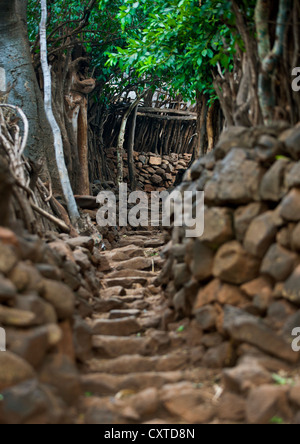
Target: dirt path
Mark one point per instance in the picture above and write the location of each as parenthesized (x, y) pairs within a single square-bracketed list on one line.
[(140, 372)]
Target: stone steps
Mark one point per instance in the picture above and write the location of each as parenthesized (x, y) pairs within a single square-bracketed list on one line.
[(136, 367)]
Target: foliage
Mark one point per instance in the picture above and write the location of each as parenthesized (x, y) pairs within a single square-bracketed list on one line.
[(176, 45), (179, 42)]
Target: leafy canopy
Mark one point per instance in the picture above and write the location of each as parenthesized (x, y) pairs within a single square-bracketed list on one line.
[(178, 41), (175, 44)]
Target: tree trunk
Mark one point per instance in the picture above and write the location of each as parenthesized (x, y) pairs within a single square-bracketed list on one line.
[(58, 143), (210, 128), (270, 57), (132, 177), (84, 182), (17, 68), (202, 125), (121, 138)]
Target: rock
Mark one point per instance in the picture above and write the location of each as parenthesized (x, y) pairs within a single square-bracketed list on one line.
[(7, 290), (268, 147), (219, 356), (139, 263), (260, 234), (186, 402), (26, 277), (218, 226), (234, 265), (196, 170), (8, 258), (236, 180), (82, 259), (262, 301), (264, 403), (8, 237), (293, 176), (118, 314), (156, 179), (63, 250), (58, 371), (31, 403), (82, 340), (202, 261), (234, 136), (102, 384), (232, 408), (291, 139), (83, 242), (296, 420), (114, 346), (206, 317), (231, 295), (60, 296), (155, 161), (290, 206), (139, 364), (294, 395), (278, 263), (14, 370), (119, 327), (273, 186), (181, 275), (284, 237), (295, 238), (291, 288), (105, 306), (291, 323), (44, 312), (278, 313), (71, 279), (260, 285), (112, 292), (143, 159), (49, 272), (244, 216), (246, 376), (16, 318), (211, 340), (244, 327), (126, 282), (31, 345), (208, 294), (146, 402)]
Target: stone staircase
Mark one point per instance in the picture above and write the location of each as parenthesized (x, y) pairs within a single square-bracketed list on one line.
[(139, 372)]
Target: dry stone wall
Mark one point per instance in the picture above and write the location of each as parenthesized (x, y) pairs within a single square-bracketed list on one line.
[(240, 282), (46, 290), (153, 172)]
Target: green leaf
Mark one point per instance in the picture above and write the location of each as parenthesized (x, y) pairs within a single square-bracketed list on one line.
[(276, 420), (181, 329)]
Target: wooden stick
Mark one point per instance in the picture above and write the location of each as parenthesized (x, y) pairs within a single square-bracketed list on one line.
[(158, 117), (165, 111), (53, 219)]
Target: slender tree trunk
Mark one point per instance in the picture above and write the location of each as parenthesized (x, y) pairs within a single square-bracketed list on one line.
[(58, 143), (132, 177), (203, 118), (210, 127), (121, 138), (84, 181)]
